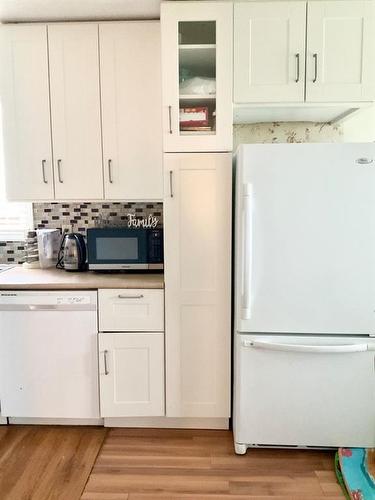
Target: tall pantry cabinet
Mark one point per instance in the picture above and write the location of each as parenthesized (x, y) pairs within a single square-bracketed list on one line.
[(196, 56)]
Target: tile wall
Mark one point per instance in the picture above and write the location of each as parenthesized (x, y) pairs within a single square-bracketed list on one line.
[(79, 216)]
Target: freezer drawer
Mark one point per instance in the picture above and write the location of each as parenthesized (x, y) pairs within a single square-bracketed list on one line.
[(304, 391)]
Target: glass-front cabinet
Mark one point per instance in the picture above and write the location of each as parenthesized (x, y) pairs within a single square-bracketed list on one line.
[(197, 76)]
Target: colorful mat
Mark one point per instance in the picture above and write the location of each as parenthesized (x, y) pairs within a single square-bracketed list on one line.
[(355, 469)]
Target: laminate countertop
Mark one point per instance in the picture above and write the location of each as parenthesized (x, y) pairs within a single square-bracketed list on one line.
[(19, 278)]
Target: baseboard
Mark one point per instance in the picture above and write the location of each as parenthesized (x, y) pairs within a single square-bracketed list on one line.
[(168, 423), (155, 422), (56, 421), (3, 421)]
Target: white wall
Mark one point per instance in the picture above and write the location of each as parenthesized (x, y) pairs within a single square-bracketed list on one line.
[(361, 127)]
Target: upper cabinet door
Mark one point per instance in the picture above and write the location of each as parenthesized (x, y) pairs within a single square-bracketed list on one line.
[(26, 112), (340, 51), (269, 52), (75, 108), (197, 76), (131, 110)]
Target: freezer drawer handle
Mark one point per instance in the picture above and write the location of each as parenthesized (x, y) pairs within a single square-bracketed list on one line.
[(247, 257), (314, 349)]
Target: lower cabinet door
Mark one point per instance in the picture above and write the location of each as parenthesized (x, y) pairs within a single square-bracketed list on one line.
[(131, 369)]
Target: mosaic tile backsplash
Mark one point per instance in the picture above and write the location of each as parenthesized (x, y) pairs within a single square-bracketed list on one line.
[(79, 216)]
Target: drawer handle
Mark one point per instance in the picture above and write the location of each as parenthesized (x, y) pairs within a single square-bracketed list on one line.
[(120, 296), (106, 371)]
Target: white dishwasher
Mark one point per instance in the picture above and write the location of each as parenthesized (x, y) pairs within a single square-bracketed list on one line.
[(48, 354)]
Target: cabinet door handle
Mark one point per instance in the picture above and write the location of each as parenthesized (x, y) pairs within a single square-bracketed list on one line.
[(44, 171), (171, 183), (297, 67), (170, 119), (59, 171), (110, 171), (106, 371), (315, 56), (130, 296)]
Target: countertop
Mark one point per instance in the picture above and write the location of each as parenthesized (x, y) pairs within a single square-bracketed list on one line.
[(19, 278)]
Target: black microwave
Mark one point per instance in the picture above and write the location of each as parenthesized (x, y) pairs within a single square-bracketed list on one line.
[(123, 248)]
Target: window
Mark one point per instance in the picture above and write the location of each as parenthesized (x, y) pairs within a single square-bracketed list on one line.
[(15, 218)]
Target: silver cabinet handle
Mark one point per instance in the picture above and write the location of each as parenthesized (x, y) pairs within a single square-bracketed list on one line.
[(44, 171), (315, 56), (121, 296), (110, 171), (170, 119), (106, 371), (59, 171), (297, 67), (171, 183)]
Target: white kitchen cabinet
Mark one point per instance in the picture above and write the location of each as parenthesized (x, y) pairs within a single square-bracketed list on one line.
[(75, 110), (269, 51), (136, 310), (131, 110), (340, 51), (197, 75), (197, 228), (26, 112), (272, 65), (131, 367)]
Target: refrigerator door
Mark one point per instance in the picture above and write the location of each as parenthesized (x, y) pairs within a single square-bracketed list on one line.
[(305, 238), (304, 391)]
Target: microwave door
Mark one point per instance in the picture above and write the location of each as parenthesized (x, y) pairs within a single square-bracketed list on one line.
[(118, 249)]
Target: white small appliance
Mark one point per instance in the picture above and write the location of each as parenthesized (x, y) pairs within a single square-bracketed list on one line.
[(48, 354), (304, 328), (48, 246)]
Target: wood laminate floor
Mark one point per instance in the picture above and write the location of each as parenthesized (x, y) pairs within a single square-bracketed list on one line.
[(147, 464), (45, 463)]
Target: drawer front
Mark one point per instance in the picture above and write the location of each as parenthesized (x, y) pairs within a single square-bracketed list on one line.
[(304, 391), (138, 310)]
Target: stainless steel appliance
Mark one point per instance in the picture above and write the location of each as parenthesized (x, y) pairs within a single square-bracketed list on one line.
[(72, 255), (124, 248)]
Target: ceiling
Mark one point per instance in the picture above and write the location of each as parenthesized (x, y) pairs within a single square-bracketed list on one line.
[(62, 10)]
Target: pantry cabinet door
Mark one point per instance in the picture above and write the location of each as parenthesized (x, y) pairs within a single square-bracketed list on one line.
[(269, 51), (340, 51), (131, 374), (26, 112), (131, 110), (75, 108), (197, 228), (197, 40)]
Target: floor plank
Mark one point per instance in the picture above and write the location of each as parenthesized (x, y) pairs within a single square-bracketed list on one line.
[(165, 464), (45, 463)]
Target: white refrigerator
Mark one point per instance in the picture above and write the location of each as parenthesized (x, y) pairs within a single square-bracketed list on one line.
[(304, 322)]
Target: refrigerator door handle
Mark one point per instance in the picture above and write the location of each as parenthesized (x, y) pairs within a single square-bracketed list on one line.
[(247, 257), (315, 349)]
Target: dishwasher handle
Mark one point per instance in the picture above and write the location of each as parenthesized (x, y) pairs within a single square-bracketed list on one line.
[(313, 349), (47, 307)]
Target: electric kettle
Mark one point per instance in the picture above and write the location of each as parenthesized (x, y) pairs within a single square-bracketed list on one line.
[(72, 255)]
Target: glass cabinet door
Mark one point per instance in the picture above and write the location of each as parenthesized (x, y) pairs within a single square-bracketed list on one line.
[(197, 76)]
